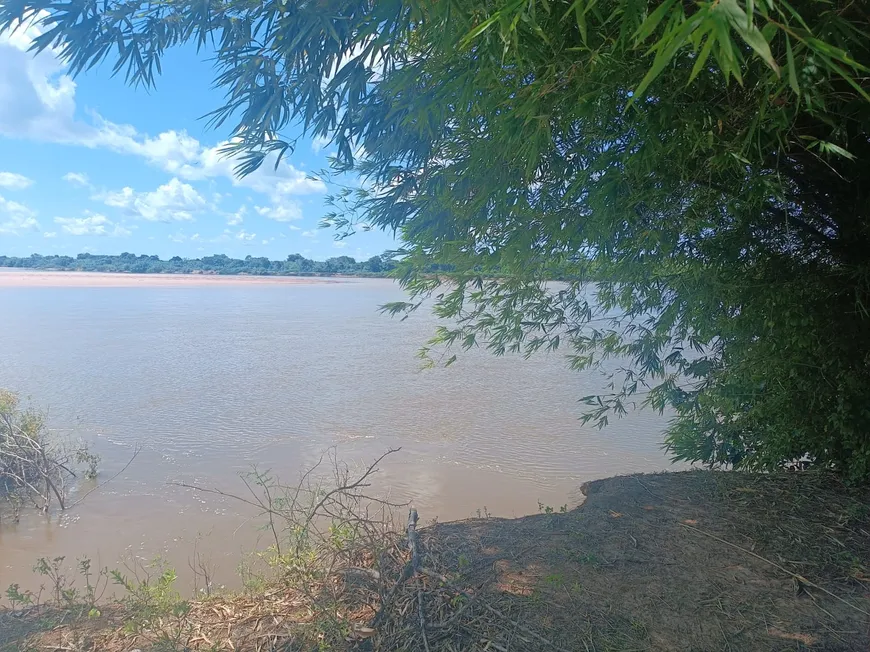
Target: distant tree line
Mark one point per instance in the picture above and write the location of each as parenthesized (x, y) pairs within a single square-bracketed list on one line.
[(293, 265)]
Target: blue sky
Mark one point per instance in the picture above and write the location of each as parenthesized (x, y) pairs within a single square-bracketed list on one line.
[(93, 165)]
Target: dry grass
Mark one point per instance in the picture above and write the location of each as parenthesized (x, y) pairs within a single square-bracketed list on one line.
[(684, 561)]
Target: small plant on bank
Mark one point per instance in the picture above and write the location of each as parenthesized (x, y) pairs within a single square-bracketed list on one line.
[(150, 593), (95, 583), (60, 584), (18, 598), (547, 509), (62, 588)]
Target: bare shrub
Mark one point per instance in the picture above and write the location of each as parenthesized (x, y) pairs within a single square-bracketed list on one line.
[(341, 571), (347, 570), (328, 538), (35, 468)]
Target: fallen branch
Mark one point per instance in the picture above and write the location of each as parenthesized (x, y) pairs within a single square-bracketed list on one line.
[(408, 571), (103, 484), (799, 578), (413, 541), (444, 580), (417, 566)]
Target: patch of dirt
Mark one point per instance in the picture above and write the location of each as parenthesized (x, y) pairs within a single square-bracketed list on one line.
[(680, 561), (32, 628)]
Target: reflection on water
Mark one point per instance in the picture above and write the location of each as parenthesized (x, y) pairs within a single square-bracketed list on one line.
[(212, 380)]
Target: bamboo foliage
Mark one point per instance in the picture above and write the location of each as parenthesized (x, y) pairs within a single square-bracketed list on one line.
[(695, 173)]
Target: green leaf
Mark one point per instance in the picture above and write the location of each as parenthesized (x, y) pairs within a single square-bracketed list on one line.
[(581, 19), (743, 25), (846, 77), (836, 149), (663, 57), (652, 21), (792, 69), (834, 52), (703, 55), (794, 14), (489, 22)]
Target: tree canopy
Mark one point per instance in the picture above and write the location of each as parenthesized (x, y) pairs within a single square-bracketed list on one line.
[(294, 265), (700, 169)]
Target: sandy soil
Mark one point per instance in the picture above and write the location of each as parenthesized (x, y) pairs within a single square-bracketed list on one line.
[(37, 278)]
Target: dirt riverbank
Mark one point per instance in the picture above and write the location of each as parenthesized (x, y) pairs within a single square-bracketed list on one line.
[(37, 278), (680, 561)]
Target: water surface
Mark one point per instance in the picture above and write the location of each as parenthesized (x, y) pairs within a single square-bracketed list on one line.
[(210, 380)]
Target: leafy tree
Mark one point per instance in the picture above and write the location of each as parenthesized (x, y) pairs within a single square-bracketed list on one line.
[(217, 264), (374, 265), (696, 173)]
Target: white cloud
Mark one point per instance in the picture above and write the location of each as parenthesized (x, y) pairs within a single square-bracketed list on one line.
[(184, 156), (49, 234), (319, 143), (16, 218), (309, 234), (339, 244), (286, 211), (37, 101), (91, 224), (183, 237), (234, 219), (245, 236), (292, 227), (77, 179), (13, 181), (119, 199), (172, 202)]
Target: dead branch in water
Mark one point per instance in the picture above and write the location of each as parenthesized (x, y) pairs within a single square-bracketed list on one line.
[(136, 452), (36, 466)]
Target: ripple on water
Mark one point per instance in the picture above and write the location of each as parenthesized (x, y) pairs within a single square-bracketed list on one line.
[(210, 381)]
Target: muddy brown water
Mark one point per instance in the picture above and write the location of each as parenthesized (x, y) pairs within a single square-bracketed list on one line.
[(211, 379)]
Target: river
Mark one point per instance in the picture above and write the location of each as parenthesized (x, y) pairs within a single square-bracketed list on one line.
[(210, 379)]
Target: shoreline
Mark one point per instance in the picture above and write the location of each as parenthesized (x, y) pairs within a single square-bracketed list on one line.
[(13, 277), (673, 561)]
